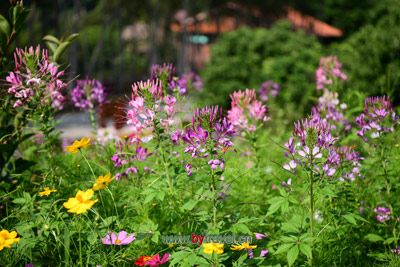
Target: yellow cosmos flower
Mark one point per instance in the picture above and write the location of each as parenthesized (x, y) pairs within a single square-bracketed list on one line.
[(245, 245), (102, 182), (81, 202), (78, 144), (47, 191), (7, 239), (210, 248)]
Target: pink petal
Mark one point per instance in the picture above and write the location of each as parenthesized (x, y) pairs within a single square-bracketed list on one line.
[(122, 235), (113, 237), (260, 236), (128, 240), (165, 258), (107, 240)]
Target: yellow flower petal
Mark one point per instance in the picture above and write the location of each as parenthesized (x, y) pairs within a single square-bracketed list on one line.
[(47, 191), (81, 202), (102, 182), (7, 239), (210, 248), (78, 144)]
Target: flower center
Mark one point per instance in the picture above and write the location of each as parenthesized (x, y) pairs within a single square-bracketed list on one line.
[(118, 241)]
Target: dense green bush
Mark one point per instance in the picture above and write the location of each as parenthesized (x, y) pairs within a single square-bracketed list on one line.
[(372, 55), (247, 57)]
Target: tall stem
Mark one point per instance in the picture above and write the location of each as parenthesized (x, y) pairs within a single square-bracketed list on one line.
[(87, 162), (80, 244), (384, 167), (92, 119), (254, 146), (164, 162), (311, 176), (214, 200)]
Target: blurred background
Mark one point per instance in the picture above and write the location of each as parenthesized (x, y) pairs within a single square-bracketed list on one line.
[(231, 44)]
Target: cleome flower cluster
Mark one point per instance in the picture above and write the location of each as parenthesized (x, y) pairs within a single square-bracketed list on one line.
[(35, 79)]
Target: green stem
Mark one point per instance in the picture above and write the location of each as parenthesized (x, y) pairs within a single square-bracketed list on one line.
[(312, 215), (214, 200), (90, 167), (80, 244), (385, 172), (254, 146), (92, 119), (164, 162)]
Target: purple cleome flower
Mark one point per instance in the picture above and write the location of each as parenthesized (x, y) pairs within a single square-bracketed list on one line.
[(383, 214), (378, 117), (267, 89), (88, 93), (396, 250), (326, 157), (36, 75), (329, 68)]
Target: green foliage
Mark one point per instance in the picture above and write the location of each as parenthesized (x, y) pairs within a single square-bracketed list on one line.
[(371, 55), (247, 57)]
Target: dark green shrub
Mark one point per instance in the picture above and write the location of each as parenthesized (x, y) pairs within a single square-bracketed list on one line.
[(247, 57)]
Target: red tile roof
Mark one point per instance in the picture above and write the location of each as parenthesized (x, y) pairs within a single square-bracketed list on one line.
[(229, 23)]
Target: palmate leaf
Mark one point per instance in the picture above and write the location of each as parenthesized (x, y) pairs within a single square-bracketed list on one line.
[(187, 258)]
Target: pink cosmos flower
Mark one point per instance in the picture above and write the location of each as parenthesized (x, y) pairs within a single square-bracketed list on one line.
[(156, 261), (122, 238), (260, 236)]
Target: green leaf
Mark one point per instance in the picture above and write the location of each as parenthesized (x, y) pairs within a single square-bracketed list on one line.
[(189, 205), (292, 255), (179, 257), (161, 195), (52, 39), (289, 227), (305, 249), (350, 218), (289, 239), (60, 50), (373, 238), (108, 221), (19, 15), (283, 248), (72, 37), (19, 200), (156, 237), (5, 26), (275, 205), (390, 240), (241, 259), (240, 228), (4, 32), (52, 47), (150, 197)]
